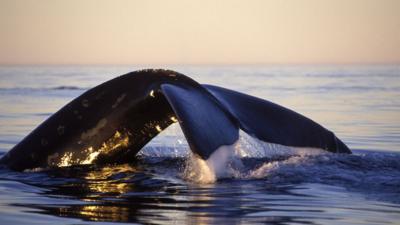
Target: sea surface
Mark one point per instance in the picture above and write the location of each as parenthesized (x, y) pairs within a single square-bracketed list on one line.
[(264, 184)]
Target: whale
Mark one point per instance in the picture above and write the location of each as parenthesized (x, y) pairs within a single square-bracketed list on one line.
[(112, 122)]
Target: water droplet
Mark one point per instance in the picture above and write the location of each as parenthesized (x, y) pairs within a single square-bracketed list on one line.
[(152, 93)]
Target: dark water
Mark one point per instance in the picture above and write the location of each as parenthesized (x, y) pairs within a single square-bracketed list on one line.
[(261, 184)]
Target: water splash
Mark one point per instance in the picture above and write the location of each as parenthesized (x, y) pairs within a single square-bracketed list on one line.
[(221, 164), (227, 160)]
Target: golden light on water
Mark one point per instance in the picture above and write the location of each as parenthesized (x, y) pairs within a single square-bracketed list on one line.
[(105, 213), (98, 183)]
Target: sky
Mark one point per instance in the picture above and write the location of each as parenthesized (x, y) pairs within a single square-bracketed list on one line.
[(199, 32)]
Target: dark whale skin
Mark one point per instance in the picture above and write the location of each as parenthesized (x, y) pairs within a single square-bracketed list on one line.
[(116, 119)]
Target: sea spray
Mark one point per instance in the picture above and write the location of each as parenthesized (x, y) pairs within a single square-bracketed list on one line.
[(227, 160), (223, 163)]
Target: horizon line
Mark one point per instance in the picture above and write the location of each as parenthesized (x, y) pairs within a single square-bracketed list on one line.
[(207, 64)]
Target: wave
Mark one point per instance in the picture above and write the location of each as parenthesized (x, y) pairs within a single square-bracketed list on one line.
[(68, 88), (33, 89), (374, 173)]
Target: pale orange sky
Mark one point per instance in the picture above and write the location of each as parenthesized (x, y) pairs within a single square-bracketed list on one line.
[(199, 32)]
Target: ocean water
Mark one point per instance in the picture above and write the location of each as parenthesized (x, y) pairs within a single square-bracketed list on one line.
[(264, 184)]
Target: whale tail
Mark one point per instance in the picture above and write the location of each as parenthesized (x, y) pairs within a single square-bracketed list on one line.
[(273, 123), (111, 122)]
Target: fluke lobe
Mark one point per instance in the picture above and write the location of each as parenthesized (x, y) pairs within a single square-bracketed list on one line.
[(111, 122)]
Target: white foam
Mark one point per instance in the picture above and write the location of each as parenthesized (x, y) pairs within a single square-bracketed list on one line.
[(226, 161), (222, 163), (252, 147)]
